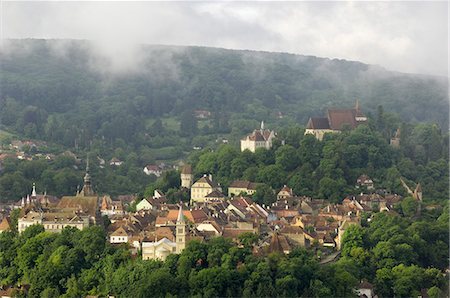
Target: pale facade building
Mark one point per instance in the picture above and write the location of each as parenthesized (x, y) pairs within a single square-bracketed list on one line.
[(284, 193), (53, 221), (239, 186), (202, 188), (259, 138), (165, 247), (119, 236), (78, 211)]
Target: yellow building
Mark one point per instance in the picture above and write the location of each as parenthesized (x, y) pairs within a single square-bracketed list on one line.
[(202, 188)]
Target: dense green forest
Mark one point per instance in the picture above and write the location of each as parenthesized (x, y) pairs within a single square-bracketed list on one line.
[(62, 91), (400, 256)]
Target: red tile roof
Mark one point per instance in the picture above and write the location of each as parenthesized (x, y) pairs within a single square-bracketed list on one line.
[(340, 117)]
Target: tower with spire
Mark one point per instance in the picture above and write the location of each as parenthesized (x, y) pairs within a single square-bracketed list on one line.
[(259, 138), (87, 190), (180, 234), (33, 192), (359, 116)]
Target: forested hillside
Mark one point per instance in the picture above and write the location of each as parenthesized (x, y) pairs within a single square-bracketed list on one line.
[(67, 92)]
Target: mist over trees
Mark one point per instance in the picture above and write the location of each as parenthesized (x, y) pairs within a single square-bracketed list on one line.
[(62, 91)]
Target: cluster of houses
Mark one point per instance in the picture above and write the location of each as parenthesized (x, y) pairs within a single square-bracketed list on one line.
[(159, 228), (24, 150)]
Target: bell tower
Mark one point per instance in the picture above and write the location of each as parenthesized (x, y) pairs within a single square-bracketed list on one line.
[(180, 234)]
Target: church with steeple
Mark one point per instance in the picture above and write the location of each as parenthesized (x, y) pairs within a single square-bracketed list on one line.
[(87, 190), (162, 248), (259, 138), (79, 211), (335, 121)]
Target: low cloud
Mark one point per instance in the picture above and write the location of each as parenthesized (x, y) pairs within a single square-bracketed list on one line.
[(402, 36)]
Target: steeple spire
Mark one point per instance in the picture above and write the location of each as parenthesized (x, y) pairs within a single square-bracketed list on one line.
[(180, 218), (357, 105), (87, 188), (262, 125), (180, 234), (33, 193)]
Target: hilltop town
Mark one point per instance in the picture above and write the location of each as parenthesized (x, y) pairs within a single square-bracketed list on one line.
[(157, 227)]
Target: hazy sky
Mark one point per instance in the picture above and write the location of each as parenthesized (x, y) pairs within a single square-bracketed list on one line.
[(402, 36)]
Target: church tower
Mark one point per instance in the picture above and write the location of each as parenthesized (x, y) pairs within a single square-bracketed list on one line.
[(359, 116), (87, 190), (180, 235), (33, 192)]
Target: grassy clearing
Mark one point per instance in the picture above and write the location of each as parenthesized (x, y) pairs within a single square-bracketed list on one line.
[(4, 135), (169, 123)]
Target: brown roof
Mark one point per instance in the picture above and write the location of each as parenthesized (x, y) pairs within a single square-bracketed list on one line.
[(241, 202), (120, 232), (291, 230), (234, 233), (166, 232), (275, 245), (286, 213), (161, 220), (153, 168), (340, 117), (365, 285), (215, 194), (126, 198), (87, 204), (259, 135), (205, 179), (187, 169), (243, 184), (318, 123), (4, 224)]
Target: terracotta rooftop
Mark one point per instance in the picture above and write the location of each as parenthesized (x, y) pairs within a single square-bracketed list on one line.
[(194, 216), (340, 117)]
